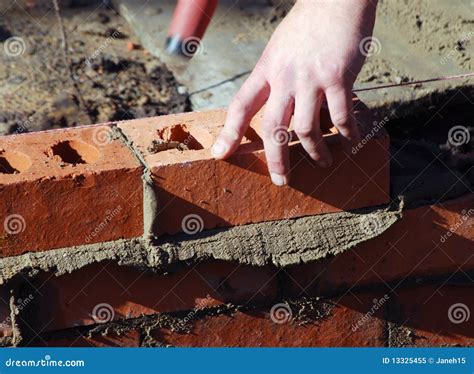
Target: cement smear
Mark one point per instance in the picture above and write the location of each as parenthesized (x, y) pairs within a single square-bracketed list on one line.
[(282, 243), (420, 174)]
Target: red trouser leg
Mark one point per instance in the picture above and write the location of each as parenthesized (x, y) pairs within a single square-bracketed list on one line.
[(189, 23)]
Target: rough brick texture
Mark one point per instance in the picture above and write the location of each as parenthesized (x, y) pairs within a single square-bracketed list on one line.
[(436, 316), (67, 187), (331, 325), (238, 190), (426, 242), (419, 316), (127, 339), (76, 299)]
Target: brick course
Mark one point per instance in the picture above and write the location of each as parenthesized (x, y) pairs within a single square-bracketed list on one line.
[(238, 191), (105, 292), (427, 242), (264, 328), (79, 186)]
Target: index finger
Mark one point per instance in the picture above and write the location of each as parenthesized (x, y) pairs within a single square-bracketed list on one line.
[(247, 102)]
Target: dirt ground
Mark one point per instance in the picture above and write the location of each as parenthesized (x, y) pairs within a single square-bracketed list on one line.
[(117, 80)]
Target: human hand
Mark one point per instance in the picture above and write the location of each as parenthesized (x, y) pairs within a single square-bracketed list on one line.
[(313, 55)]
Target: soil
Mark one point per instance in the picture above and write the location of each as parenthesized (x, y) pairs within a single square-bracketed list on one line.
[(437, 30), (434, 29), (116, 77)]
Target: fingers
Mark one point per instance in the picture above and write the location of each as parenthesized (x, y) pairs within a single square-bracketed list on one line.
[(276, 137), (307, 126), (246, 103), (339, 100)]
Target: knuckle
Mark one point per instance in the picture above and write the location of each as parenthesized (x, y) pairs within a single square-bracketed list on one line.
[(305, 131), (305, 75), (331, 72), (281, 72), (341, 119), (276, 135)]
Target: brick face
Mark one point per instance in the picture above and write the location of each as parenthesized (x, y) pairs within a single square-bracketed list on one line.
[(67, 187), (437, 315), (115, 292), (238, 190), (421, 316), (126, 339), (257, 329), (419, 245)]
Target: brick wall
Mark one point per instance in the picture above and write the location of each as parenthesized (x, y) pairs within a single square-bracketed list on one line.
[(147, 180)]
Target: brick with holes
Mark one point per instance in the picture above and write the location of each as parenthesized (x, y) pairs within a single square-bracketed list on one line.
[(197, 192), (67, 187)]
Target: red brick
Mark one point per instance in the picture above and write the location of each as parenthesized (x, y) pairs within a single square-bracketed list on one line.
[(238, 190), (438, 315), (71, 187), (127, 339), (70, 300), (257, 329), (419, 245)]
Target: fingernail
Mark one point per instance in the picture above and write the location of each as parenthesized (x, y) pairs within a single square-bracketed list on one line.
[(279, 180), (218, 149)]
